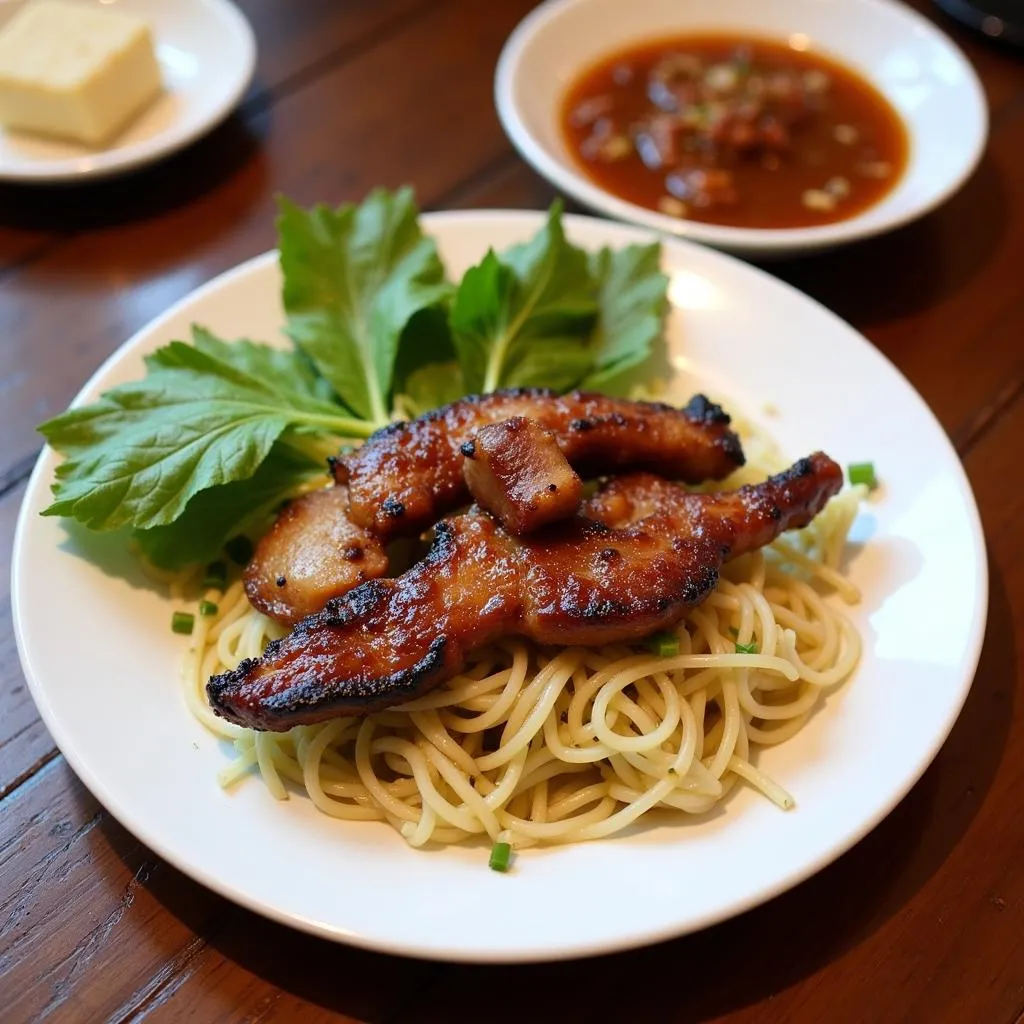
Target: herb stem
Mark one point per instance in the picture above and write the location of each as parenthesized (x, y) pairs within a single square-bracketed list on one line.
[(494, 364), (380, 414), (496, 360), (346, 426)]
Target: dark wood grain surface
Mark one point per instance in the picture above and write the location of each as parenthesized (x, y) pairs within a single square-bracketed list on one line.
[(922, 921)]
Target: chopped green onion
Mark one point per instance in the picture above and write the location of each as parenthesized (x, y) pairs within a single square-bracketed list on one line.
[(207, 608), (239, 549), (750, 648), (665, 645), (862, 473), (216, 576), (182, 622), (501, 854)]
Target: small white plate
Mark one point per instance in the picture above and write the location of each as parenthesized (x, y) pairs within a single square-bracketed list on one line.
[(921, 72), (207, 54), (102, 662)]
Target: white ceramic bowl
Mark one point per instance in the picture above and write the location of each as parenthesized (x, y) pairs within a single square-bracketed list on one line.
[(922, 73)]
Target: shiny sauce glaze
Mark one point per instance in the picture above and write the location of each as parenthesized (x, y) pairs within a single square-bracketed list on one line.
[(735, 131)]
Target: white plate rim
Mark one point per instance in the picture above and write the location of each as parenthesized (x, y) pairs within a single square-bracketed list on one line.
[(752, 241), (459, 952), (110, 163)]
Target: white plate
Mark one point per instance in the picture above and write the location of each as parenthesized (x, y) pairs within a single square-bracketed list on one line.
[(207, 53), (922, 73), (102, 662)]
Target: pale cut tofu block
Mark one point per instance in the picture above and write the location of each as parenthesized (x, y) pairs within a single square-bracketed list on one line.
[(75, 71)]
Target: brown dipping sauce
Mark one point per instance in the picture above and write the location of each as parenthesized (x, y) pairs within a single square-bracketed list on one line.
[(734, 131)]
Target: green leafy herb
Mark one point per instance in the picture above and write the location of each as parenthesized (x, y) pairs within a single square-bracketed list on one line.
[(353, 279), (427, 373), (288, 371), (525, 318), (213, 515), (631, 293), (139, 455), (183, 622), (431, 386), (204, 450), (750, 648)]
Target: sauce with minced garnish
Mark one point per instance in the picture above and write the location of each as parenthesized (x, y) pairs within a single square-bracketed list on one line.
[(735, 131)]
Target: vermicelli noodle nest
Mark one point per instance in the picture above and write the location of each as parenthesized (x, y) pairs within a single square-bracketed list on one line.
[(535, 744)]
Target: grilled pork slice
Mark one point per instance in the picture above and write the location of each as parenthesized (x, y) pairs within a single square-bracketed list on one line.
[(588, 580), (311, 554), (405, 477), (515, 470), (408, 475)]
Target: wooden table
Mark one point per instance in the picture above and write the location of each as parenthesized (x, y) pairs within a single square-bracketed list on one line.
[(922, 921)]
